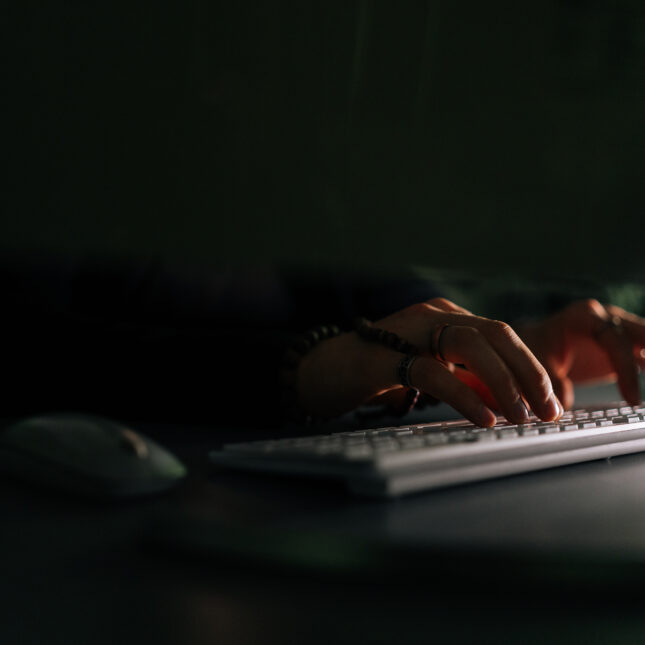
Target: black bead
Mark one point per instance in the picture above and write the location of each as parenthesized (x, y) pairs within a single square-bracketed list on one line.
[(391, 339), (312, 336)]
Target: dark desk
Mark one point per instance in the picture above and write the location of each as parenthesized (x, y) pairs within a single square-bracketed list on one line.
[(78, 572)]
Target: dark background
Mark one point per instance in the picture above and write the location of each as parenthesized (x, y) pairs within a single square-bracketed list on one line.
[(500, 138)]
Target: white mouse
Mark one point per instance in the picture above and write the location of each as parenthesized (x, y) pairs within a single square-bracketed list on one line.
[(87, 455)]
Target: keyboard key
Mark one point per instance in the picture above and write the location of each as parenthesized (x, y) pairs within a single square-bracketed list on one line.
[(486, 435), (412, 441), (436, 439), (507, 433), (567, 427), (529, 430), (461, 437), (548, 429), (630, 419), (380, 432)]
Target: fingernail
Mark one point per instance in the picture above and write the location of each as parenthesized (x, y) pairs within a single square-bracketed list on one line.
[(552, 408), (486, 417), (520, 413)]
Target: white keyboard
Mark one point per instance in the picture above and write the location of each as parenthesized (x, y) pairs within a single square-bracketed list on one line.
[(387, 462)]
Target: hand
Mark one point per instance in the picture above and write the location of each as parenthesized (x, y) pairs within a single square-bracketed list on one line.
[(342, 373), (589, 342)]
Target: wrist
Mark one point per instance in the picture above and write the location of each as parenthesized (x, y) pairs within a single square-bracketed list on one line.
[(330, 379)]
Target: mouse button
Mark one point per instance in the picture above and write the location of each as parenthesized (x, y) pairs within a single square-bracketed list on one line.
[(33, 435), (131, 442), (58, 439)]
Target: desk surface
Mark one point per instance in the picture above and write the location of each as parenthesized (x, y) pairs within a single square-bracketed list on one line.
[(78, 572)]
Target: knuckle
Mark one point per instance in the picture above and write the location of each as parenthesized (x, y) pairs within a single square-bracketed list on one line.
[(501, 329), (420, 309), (442, 303), (591, 306)]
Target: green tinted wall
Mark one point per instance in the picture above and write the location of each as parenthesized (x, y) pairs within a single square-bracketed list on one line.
[(502, 137)]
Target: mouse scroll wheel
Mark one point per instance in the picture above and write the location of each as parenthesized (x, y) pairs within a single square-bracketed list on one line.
[(133, 443)]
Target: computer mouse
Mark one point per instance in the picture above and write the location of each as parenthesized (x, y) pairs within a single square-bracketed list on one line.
[(87, 455)]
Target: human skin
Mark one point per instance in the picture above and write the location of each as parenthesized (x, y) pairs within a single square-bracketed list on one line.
[(504, 371)]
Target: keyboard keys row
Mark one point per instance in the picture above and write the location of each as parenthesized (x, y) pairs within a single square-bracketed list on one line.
[(381, 440)]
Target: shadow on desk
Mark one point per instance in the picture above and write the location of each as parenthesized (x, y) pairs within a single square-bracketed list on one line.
[(554, 556)]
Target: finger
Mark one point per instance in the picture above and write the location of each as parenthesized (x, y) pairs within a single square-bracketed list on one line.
[(562, 384), (480, 388), (431, 377), (563, 388), (447, 305), (590, 318), (634, 325), (529, 373), (620, 350), (468, 345), (639, 353)]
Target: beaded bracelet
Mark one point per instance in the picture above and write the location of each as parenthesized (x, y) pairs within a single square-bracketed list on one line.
[(290, 362), (368, 332), (365, 330)]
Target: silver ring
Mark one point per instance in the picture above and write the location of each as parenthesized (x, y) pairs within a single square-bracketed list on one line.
[(404, 368), (436, 338)]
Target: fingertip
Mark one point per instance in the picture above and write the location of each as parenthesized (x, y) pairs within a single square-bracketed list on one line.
[(631, 392), (561, 407), (519, 412), (552, 409), (485, 417), (635, 399)]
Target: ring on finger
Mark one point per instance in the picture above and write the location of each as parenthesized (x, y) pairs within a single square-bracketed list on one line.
[(436, 341), (404, 368)]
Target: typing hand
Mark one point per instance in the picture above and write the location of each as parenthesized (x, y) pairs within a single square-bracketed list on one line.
[(588, 342), (346, 371)]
